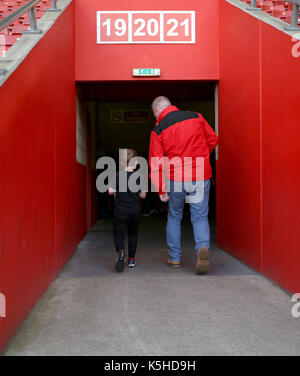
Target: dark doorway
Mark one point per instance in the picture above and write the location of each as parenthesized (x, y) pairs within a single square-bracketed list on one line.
[(122, 118)]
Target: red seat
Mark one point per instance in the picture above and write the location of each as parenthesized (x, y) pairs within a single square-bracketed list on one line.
[(16, 30), (279, 11), (277, 8)]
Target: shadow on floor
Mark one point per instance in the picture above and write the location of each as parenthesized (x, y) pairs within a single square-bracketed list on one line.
[(95, 255)]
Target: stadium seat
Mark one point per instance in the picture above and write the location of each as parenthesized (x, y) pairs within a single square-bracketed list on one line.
[(14, 31), (277, 8)]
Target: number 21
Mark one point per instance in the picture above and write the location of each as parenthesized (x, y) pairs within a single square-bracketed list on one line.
[(175, 23)]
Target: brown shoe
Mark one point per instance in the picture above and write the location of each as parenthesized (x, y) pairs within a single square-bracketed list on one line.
[(202, 266), (174, 264)]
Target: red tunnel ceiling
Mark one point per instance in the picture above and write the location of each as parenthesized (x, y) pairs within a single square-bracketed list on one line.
[(104, 62)]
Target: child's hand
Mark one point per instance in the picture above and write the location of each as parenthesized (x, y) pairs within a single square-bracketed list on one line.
[(111, 191), (143, 195)]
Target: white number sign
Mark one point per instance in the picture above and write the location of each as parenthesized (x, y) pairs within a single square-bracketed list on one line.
[(129, 27)]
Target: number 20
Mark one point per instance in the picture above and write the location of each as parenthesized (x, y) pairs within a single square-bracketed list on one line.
[(152, 27)]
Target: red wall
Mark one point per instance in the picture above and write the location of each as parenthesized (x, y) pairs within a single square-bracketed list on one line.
[(280, 159), (239, 129), (258, 171), (177, 62), (42, 187)]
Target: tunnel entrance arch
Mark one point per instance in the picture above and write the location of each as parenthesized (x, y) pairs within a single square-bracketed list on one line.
[(117, 114)]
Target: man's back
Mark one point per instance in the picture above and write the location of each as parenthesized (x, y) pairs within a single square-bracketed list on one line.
[(187, 136), (182, 135)]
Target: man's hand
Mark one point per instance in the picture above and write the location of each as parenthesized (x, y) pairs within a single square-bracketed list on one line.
[(164, 197)]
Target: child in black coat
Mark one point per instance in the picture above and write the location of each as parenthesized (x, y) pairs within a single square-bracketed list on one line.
[(127, 210)]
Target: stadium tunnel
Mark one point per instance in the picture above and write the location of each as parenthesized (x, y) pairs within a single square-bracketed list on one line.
[(117, 115), (68, 96)]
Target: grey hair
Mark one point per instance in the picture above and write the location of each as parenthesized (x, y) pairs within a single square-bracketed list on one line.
[(159, 104)]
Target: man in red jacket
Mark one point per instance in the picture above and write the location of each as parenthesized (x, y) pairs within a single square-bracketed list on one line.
[(179, 157)]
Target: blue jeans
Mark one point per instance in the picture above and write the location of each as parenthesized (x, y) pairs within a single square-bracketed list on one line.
[(197, 194)]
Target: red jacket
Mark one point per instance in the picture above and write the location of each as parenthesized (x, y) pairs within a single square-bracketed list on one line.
[(187, 140)]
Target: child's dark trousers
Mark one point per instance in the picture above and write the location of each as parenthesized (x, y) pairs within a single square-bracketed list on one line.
[(126, 221)]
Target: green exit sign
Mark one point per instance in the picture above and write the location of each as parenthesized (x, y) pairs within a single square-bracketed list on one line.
[(146, 72)]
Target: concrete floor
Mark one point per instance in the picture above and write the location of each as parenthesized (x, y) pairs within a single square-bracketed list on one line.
[(155, 310)]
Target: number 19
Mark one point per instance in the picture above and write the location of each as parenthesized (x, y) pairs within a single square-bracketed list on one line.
[(119, 25)]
